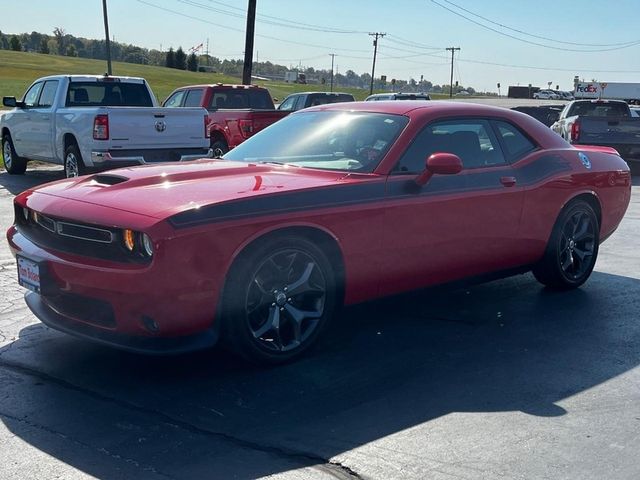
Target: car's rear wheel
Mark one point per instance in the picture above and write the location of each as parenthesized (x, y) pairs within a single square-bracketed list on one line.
[(219, 148), (13, 164), (573, 248), (73, 164), (278, 298)]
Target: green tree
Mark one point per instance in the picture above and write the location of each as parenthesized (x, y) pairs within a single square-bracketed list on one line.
[(170, 60), (181, 59), (15, 44), (192, 63), (59, 33), (44, 46), (71, 51)]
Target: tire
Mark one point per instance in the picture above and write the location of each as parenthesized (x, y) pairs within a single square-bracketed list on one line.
[(13, 164), (219, 148), (73, 164), (572, 249), (279, 297)]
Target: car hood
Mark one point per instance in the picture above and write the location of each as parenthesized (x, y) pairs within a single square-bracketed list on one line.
[(161, 191)]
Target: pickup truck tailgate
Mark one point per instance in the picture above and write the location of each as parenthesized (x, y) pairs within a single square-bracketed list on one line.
[(623, 134), (136, 128)]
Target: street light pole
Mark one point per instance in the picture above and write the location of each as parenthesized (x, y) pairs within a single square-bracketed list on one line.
[(106, 33)]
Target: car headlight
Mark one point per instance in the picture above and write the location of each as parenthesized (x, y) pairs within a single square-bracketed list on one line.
[(25, 213), (147, 244)]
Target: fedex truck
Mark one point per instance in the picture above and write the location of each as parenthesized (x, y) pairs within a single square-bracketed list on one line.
[(629, 92)]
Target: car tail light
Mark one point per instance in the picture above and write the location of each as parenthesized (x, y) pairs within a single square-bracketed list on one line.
[(207, 132), (575, 131), (101, 127), (246, 128)]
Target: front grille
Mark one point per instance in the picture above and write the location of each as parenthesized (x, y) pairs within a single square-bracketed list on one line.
[(86, 309), (76, 238)]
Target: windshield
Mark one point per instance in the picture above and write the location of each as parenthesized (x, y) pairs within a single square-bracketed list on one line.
[(335, 140)]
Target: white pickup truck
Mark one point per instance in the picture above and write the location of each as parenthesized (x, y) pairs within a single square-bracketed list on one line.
[(90, 123)]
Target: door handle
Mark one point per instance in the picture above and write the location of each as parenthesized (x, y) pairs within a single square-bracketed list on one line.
[(508, 181)]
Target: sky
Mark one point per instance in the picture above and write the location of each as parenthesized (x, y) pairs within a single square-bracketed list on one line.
[(592, 39)]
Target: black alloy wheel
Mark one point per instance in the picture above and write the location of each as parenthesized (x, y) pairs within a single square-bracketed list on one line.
[(279, 301), (573, 248)]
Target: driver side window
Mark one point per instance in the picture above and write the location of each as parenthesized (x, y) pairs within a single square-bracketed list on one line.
[(472, 140), (31, 97)]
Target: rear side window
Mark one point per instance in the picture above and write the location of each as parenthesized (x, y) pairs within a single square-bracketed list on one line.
[(48, 93), (515, 143), (108, 94), (194, 98)]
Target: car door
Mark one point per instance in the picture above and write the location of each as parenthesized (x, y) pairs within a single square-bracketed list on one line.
[(455, 226), (42, 122), (21, 127)]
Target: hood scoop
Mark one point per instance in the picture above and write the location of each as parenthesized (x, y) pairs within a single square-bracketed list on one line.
[(106, 179)]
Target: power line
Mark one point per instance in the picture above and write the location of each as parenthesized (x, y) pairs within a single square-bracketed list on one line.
[(324, 47), (279, 22), (581, 44), (529, 41)]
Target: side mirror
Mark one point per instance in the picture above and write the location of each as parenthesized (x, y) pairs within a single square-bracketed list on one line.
[(9, 102), (439, 164)]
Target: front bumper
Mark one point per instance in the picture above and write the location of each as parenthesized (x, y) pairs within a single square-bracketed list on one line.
[(153, 309), (135, 344)]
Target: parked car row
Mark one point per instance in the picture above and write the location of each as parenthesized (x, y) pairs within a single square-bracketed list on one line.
[(78, 121), (553, 95)]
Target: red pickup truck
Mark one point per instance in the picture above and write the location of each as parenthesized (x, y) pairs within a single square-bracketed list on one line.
[(235, 111)]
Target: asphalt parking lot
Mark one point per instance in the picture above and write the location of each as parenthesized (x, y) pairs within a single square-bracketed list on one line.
[(501, 380)]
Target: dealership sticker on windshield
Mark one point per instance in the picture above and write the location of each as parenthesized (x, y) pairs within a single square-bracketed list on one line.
[(585, 160)]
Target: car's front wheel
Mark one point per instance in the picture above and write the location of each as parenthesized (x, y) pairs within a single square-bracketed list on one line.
[(278, 298), (572, 249), (13, 164)]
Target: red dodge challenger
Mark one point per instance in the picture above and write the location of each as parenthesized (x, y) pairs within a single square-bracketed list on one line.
[(333, 205)]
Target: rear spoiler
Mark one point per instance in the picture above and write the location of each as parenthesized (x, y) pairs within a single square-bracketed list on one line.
[(597, 148)]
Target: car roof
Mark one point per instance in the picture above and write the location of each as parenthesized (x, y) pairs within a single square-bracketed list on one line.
[(408, 106)]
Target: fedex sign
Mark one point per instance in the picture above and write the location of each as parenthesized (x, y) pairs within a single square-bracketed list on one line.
[(587, 88)]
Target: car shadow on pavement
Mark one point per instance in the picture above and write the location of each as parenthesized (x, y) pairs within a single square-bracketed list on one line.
[(383, 368), (32, 178)]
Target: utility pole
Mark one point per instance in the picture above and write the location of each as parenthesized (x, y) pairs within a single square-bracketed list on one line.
[(453, 49), (106, 34), (248, 43), (375, 51), (333, 56)]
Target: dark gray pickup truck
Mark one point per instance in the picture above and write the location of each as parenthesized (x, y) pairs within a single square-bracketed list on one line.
[(608, 123)]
